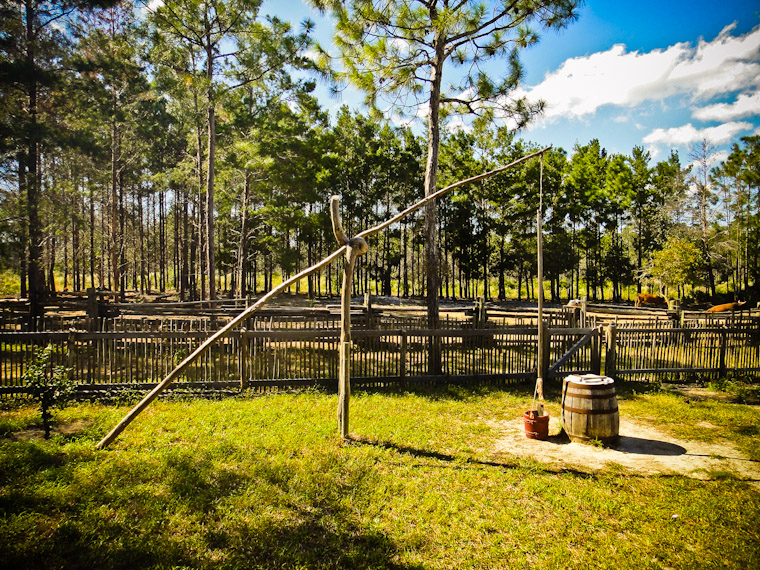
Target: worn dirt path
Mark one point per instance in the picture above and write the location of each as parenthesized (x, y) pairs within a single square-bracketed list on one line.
[(641, 449)]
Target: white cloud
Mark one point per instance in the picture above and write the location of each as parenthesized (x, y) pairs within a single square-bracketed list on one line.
[(720, 156), (687, 134), (654, 151), (582, 85), (746, 105)]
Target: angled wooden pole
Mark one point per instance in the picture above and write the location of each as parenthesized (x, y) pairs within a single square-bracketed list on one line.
[(411, 209), (221, 333)]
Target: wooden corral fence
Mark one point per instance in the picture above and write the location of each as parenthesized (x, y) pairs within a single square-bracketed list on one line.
[(267, 359), (644, 353), (207, 316), (254, 359)]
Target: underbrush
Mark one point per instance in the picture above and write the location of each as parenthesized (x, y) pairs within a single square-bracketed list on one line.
[(264, 482)]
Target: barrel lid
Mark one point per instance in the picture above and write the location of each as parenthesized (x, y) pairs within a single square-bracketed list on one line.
[(589, 379)]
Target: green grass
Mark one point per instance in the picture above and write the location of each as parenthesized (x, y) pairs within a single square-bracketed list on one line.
[(264, 482)]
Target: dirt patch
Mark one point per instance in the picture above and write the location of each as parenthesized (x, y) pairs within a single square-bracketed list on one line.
[(67, 429), (698, 393), (640, 449)]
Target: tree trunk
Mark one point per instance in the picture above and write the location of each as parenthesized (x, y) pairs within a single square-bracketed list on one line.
[(51, 266), (404, 236), (184, 281), (140, 220), (243, 241), (639, 261), (23, 259), (705, 237), (210, 253), (431, 184), (122, 249), (198, 217), (161, 241), (114, 209), (36, 280), (92, 236)]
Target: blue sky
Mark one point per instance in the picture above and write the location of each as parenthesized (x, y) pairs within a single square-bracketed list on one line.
[(662, 75)]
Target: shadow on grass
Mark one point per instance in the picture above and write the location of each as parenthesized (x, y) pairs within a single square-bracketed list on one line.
[(450, 389), (455, 462), (182, 509)]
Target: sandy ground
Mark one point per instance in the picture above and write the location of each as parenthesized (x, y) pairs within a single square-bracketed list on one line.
[(640, 449)]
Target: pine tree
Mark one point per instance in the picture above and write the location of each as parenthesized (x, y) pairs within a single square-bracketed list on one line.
[(398, 51)]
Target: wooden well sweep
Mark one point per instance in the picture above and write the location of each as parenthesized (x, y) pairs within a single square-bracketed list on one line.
[(589, 408), (353, 248)]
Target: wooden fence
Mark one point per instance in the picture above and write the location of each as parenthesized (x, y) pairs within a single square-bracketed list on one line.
[(259, 360), (682, 352), (97, 314), (281, 358)]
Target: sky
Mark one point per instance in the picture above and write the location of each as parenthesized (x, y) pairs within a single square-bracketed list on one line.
[(661, 75)]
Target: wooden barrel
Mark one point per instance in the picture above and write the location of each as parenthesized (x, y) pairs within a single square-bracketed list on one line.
[(589, 408)]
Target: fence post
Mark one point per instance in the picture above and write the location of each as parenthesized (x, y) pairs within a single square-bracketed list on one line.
[(596, 353), (584, 309), (93, 312), (243, 359), (723, 341), (402, 355), (610, 360), (71, 353)]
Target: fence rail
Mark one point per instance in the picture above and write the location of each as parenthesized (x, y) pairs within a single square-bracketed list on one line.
[(264, 359), (259, 359), (708, 350)]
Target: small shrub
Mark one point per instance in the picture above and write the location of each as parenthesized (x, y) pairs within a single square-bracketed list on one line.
[(719, 384), (50, 386)]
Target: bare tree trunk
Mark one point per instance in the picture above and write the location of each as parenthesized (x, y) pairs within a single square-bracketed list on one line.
[(197, 262), (92, 236), (431, 209), (210, 253), (36, 279), (184, 282), (23, 259), (114, 209), (243, 242)]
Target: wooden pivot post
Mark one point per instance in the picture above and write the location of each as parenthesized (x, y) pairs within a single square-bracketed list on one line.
[(354, 248)]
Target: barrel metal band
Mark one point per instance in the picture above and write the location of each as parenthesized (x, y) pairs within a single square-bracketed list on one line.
[(589, 412), (595, 396), (587, 387)]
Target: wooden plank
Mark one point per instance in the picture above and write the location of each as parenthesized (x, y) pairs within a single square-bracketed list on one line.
[(577, 346)]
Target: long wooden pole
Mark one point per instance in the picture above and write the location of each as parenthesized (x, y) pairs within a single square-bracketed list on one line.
[(221, 333), (542, 329), (411, 209), (346, 245)]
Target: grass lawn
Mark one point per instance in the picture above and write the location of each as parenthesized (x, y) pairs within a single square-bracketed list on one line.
[(264, 482)]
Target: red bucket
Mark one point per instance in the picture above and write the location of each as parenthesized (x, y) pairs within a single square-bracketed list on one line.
[(536, 427)]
